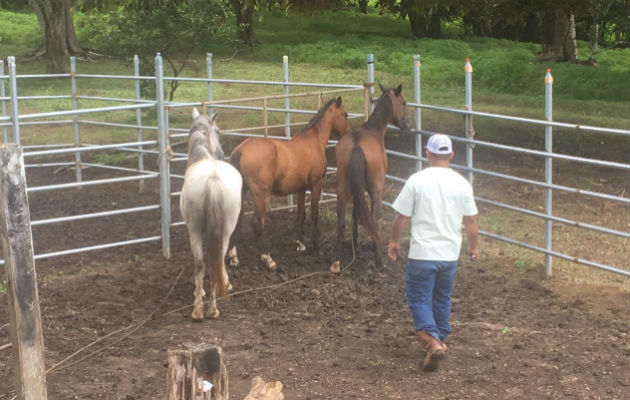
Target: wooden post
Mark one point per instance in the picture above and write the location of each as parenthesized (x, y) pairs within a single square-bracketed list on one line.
[(191, 369), (17, 243)]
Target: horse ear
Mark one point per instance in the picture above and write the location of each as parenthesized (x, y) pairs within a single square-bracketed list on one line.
[(195, 113), (382, 88), (338, 104), (214, 116), (398, 90)]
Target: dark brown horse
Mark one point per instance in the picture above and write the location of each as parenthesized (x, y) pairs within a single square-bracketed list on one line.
[(361, 166), (282, 167)]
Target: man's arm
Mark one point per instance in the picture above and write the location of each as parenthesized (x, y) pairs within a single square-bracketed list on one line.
[(399, 224), (472, 235)]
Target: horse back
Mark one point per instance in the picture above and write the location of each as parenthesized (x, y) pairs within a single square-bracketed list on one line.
[(211, 186)]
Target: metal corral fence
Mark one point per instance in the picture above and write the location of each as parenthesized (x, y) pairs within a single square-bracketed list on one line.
[(165, 156)]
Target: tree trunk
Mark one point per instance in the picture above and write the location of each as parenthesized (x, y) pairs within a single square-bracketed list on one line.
[(58, 36), (418, 24), (554, 36), (363, 6), (244, 11), (423, 25), (570, 44), (594, 38)]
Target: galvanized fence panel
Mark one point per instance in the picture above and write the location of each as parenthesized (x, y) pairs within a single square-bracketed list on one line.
[(164, 133)]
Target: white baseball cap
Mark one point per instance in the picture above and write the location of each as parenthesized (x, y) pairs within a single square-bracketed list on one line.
[(439, 144)]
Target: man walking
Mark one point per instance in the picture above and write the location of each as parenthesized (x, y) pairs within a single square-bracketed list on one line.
[(436, 200)]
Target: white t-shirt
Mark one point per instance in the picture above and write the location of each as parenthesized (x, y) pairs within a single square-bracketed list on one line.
[(436, 199)]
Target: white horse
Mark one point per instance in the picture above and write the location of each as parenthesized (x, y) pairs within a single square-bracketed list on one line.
[(210, 204)]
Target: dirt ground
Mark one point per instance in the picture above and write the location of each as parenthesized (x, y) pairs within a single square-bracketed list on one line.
[(515, 334)]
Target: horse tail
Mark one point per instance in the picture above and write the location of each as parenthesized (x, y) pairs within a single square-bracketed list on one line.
[(217, 266), (214, 243), (357, 173), (235, 160)]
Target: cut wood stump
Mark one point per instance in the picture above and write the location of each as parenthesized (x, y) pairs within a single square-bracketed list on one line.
[(197, 372), (262, 390)]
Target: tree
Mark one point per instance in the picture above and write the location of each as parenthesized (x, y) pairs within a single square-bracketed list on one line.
[(58, 36), (244, 11), (425, 16), (174, 28)]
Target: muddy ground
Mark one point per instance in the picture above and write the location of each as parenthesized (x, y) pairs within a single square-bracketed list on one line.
[(515, 334)]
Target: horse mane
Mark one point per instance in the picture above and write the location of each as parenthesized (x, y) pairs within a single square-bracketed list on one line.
[(204, 125), (204, 134), (381, 113), (312, 124)]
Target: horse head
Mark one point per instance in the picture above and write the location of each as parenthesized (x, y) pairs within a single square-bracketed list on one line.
[(338, 117), (399, 118), (205, 132)]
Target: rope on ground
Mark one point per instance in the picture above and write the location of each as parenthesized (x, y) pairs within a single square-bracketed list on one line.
[(131, 329), (277, 285)]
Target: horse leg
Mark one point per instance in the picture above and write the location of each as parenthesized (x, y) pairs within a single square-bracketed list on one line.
[(341, 227), (316, 192), (196, 246), (233, 256), (220, 248), (261, 204), (299, 226)]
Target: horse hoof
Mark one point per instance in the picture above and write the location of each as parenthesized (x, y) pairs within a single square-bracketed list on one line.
[(234, 261), (300, 247), (269, 262), (228, 287), (214, 314), (197, 315), (335, 268)]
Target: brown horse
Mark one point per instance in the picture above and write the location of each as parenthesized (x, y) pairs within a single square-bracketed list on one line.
[(282, 167), (361, 166)]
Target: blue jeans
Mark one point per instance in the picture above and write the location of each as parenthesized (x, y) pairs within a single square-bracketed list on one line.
[(429, 288)]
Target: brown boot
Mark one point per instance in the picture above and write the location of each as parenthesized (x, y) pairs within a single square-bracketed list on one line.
[(434, 350)]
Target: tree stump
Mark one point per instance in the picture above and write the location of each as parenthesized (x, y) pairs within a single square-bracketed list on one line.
[(262, 390), (197, 372)]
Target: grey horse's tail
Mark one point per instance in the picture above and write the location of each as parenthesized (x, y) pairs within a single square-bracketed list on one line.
[(214, 244)]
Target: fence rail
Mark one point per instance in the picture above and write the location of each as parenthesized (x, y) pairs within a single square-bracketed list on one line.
[(11, 120)]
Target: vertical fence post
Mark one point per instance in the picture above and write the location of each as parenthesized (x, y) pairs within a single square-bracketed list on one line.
[(370, 79), (417, 111), (287, 114), (3, 103), (19, 267), (470, 133), (287, 104), (548, 168), (210, 88), (165, 182), (136, 72), (14, 100), (75, 119)]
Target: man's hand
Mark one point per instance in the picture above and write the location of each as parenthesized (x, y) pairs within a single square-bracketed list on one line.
[(473, 253), (393, 250)]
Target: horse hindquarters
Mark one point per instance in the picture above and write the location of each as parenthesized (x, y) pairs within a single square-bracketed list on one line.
[(193, 213), (223, 209)]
